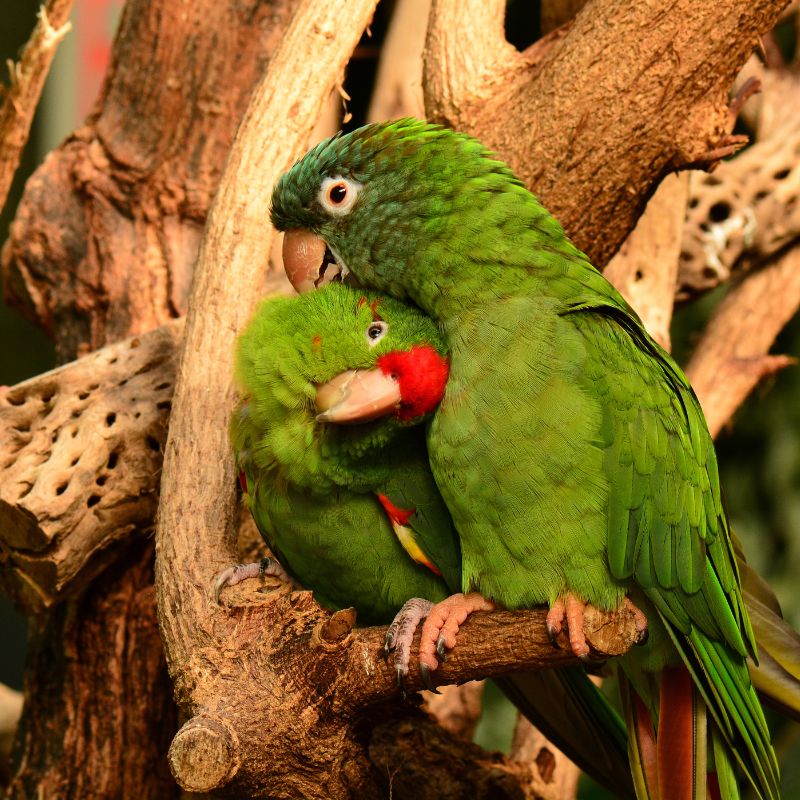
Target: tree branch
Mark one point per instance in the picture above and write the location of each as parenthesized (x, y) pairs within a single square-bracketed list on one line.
[(593, 116), (80, 459), (731, 357), (19, 101)]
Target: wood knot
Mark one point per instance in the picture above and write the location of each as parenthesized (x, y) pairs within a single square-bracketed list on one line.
[(334, 632), (204, 754)]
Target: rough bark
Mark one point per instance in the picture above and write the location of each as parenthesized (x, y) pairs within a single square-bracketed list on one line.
[(108, 230), (103, 246), (27, 76), (98, 716), (593, 134)]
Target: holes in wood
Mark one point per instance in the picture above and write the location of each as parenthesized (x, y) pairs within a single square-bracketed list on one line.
[(112, 460), (111, 418), (719, 212), (25, 491), (93, 500), (153, 444), (61, 488), (76, 413), (75, 460), (101, 480), (781, 174), (164, 405), (16, 399), (83, 395), (638, 275), (164, 385), (23, 427)]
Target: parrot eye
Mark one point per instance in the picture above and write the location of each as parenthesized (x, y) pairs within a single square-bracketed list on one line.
[(376, 332), (337, 195)]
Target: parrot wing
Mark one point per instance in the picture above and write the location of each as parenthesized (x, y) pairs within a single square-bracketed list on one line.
[(667, 528)]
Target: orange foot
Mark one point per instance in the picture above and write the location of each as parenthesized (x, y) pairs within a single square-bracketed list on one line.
[(441, 628), (572, 610)]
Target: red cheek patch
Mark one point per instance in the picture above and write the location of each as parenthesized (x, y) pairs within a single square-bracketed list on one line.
[(422, 374)]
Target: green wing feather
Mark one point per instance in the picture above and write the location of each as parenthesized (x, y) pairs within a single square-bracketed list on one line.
[(668, 530)]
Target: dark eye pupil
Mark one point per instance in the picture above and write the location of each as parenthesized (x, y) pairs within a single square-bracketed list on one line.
[(337, 193), (374, 331)]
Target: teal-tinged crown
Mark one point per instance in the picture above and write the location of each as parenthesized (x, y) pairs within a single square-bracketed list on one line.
[(431, 204)]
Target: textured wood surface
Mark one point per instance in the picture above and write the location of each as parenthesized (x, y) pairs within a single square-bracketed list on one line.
[(80, 460), (592, 117)]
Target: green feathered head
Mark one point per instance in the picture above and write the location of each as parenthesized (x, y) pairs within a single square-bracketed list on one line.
[(333, 375), (376, 203)]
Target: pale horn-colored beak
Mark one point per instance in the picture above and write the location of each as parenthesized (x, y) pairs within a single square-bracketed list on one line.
[(303, 256), (358, 395)]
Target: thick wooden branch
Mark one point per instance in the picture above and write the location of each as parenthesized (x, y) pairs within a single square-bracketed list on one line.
[(107, 233), (593, 118), (733, 354), (646, 267), (334, 685), (80, 460), (27, 77)]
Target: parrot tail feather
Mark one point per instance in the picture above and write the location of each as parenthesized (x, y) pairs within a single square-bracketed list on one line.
[(641, 742), (681, 743)]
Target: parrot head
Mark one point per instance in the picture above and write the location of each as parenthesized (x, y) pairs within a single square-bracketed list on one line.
[(343, 355), (365, 207)]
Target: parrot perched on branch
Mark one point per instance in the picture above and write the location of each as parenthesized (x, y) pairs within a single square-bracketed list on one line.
[(351, 510), (569, 448)]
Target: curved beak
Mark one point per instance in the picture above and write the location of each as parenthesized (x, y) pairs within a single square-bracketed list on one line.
[(357, 395), (308, 262)]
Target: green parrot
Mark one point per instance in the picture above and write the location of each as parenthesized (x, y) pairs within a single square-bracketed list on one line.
[(569, 447), (351, 510)]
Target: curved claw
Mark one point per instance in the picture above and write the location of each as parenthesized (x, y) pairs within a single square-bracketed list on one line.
[(427, 681), (552, 635), (441, 649)]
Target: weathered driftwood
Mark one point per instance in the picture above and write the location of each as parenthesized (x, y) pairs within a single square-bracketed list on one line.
[(646, 266), (18, 101), (747, 210), (592, 135), (81, 451)]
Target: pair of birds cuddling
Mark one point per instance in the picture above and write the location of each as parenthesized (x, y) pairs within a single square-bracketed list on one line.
[(564, 459)]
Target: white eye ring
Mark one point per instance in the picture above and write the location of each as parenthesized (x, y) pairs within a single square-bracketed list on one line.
[(376, 331), (337, 195)]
